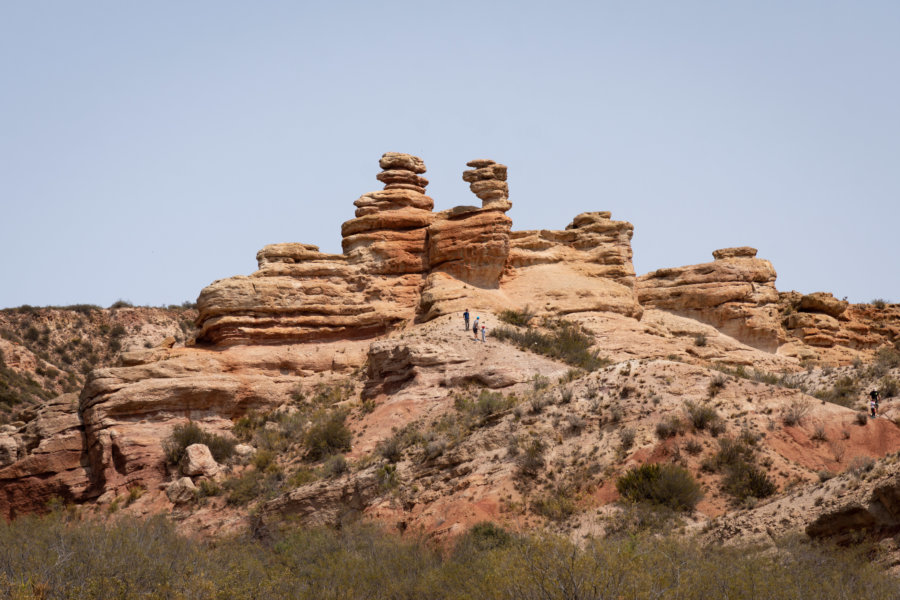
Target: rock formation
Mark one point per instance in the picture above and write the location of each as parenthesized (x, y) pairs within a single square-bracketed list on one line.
[(735, 294)]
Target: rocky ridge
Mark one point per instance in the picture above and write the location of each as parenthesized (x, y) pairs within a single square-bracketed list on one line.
[(382, 319)]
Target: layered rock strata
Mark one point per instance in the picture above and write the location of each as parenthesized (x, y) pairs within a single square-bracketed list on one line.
[(735, 294), (300, 294), (586, 267)]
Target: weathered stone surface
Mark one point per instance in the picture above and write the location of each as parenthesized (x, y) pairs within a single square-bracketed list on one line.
[(49, 459), (488, 181), (198, 460), (735, 293), (399, 160), (586, 267), (181, 491), (822, 302), (328, 502)]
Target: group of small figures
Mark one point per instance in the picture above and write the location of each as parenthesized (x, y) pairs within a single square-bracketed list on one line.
[(873, 403), (476, 326)]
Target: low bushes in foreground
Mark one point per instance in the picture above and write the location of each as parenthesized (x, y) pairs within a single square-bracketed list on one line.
[(65, 558)]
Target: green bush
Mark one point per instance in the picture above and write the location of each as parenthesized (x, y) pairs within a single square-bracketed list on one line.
[(743, 480), (664, 484), (327, 434), (182, 436)]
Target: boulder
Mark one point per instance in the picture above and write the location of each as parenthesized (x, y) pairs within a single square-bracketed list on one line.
[(822, 302), (198, 460), (181, 491)]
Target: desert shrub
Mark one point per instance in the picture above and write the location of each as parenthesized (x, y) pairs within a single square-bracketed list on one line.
[(667, 485), (886, 358), (121, 304), (862, 418), (844, 392), (556, 505), (244, 489), (888, 387), (481, 537), (860, 465), (669, 428), (531, 459), (744, 480), (520, 318), (538, 402), (819, 433), (879, 303), (390, 449), (564, 340), (732, 452), (693, 447), (700, 340), (626, 437), (387, 476), (335, 465), (700, 416), (716, 385), (487, 404), (327, 434), (793, 413), (182, 436)]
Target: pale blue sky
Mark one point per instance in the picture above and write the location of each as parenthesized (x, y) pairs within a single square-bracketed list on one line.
[(147, 149)]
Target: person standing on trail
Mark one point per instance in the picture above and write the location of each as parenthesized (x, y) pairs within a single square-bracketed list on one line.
[(466, 317), (482, 333), (873, 402), (475, 328)]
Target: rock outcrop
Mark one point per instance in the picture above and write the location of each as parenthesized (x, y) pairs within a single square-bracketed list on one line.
[(300, 294), (48, 459), (735, 294), (586, 267)]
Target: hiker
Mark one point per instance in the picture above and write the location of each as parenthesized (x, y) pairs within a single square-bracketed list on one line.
[(873, 402), (466, 317), (475, 328), (482, 333)]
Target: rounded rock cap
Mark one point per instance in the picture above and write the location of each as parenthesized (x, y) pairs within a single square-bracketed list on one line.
[(399, 160), (739, 252)]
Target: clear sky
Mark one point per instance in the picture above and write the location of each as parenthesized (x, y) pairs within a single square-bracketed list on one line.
[(149, 148)]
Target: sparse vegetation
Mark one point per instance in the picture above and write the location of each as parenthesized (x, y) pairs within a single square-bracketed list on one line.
[(844, 392), (794, 413), (562, 340)]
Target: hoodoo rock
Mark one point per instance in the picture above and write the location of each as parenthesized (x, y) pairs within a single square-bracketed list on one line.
[(735, 294)]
